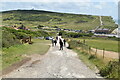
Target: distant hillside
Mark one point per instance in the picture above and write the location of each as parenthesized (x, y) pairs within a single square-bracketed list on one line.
[(33, 18)]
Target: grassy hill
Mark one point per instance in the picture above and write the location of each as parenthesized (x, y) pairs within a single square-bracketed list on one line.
[(33, 18)]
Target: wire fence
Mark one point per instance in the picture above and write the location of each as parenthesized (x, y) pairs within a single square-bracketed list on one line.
[(81, 45), (94, 51)]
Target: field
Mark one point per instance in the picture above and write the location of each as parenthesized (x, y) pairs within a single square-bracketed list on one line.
[(108, 23), (14, 53), (109, 45), (33, 18)]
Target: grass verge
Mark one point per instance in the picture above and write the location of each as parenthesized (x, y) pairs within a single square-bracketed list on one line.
[(90, 60), (107, 69), (14, 54)]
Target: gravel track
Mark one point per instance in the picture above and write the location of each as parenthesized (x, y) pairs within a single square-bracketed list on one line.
[(54, 64)]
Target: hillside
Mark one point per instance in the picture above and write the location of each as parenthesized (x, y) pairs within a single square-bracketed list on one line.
[(33, 18)]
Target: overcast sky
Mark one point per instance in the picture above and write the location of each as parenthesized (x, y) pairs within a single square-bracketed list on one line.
[(92, 7)]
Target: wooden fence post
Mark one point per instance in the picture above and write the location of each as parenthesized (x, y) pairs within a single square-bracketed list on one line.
[(103, 53), (96, 52), (30, 38), (84, 41), (89, 49), (82, 48)]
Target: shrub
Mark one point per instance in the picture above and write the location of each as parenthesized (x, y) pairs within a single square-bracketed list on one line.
[(111, 70), (75, 35), (73, 44), (12, 36), (91, 57), (9, 39), (40, 26)]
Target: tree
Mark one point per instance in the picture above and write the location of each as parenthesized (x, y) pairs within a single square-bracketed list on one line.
[(55, 26)]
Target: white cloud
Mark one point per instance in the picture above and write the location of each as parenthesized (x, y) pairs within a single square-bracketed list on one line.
[(98, 6), (83, 4), (103, 3), (45, 0), (116, 1)]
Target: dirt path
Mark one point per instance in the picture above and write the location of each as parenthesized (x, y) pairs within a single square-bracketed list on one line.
[(55, 64), (108, 54), (101, 22)]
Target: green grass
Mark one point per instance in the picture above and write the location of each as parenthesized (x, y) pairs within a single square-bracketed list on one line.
[(33, 18), (108, 23), (109, 45), (106, 69), (14, 54), (90, 62)]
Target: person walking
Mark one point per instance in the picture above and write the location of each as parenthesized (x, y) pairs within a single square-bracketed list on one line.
[(57, 38), (64, 41), (61, 44), (55, 42), (52, 42)]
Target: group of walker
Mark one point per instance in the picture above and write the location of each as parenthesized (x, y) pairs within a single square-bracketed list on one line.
[(61, 41)]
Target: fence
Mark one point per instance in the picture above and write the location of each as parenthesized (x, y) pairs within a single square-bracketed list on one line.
[(93, 51), (81, 45)]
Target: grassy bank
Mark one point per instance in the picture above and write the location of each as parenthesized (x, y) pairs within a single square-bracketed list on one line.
[(14, 54), (109, 45), (33, 18), (90, 60), (107, 69)]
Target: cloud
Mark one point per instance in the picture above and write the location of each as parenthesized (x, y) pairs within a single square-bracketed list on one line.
[(98, 6), (45, 0), (83, 4)]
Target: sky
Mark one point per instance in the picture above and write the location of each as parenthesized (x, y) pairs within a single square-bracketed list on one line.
[(90, 7)]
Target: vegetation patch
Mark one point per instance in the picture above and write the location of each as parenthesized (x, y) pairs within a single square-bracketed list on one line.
[(15, 53), (75, 35), (32, 18), (13, 50), (12, 37), (106, 69), (9, 39), (101, 43)]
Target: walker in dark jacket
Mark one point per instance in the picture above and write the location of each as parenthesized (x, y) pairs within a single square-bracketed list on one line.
[(61, 44), (55, 41), (52, 42), (64, 42)]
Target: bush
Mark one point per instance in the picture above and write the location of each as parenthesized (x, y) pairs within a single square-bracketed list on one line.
[(75, 35), (21, 35), (26, 33), (9, 39), (12, 36), (111, 70), (73, 44), (92, 57), (40, 26)]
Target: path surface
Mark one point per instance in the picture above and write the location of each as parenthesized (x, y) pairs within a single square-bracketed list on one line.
[(55, 64), (107, 54), (101, 22)]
